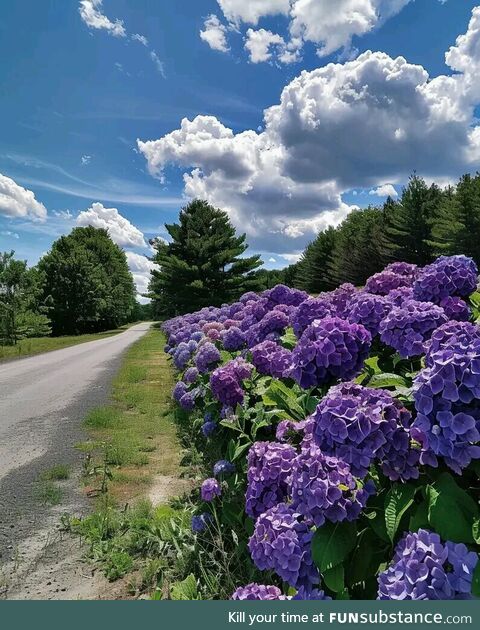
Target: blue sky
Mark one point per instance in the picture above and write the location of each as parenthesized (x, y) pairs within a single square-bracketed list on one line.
[(82, 81)]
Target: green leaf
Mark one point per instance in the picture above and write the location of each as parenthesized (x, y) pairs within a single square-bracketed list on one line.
[(185, 590), (332, 543), (476, 531), (382, 381), (281, 396), (451, 511), (476, 581), (289, 339), (419, 518), (334, 578), (239, 450), (397, 502), (361, 565)]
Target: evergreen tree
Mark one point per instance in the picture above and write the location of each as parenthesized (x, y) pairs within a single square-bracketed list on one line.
[(88, 282), (408, 232), (456, 228), (203, 263), (356, 254), (313, 269)]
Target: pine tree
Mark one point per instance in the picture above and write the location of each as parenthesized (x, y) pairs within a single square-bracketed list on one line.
[(312, 273), (456, 228), (203, 264), (356, 254), (408, 231)]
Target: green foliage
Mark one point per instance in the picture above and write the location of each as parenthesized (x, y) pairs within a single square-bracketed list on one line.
[(312, 272), (399, 498), (332, 543), (87, 282), (203, 264), (22, 313)]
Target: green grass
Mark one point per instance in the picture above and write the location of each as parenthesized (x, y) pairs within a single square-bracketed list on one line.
[(135, 436), (48, 493), (59, 472), (38, 345)]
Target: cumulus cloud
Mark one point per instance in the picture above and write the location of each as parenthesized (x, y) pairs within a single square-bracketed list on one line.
[(260, 44), (356, 124), (121, 231), (140, 266), (329, 25), (215, 34), (387, 190), (19, 202), (91, 14), (140, 38)]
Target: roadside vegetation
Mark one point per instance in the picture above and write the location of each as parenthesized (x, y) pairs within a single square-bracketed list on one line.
[(134, 469)]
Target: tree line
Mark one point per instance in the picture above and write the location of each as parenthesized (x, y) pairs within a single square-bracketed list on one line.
[(83, 284), (425, 222)]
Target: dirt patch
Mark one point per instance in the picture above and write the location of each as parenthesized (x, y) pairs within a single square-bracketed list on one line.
[(165, 488)]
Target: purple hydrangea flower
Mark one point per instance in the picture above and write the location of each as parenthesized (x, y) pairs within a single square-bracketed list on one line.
[(425, 568), (200, 522), (281, 542), (223, 467), (257, 592), (447, 276), (280, 294), (385, 281), (340, 298), (452, 334), (308, 311), (207, 356), (447, 400), (226, 381), (210, 489), (406, 328), (191, 375), (179, 390), (307, 593), (455, 308), (208, 428), (403, 269), (331, 348), (360, 425), (270, 358), (324, 489), (369, 310), (398, 297), (233, 339), (273, 322), (269, 468)]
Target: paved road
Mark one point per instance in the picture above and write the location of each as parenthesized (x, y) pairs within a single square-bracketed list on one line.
[(35, 391), (43, 400)]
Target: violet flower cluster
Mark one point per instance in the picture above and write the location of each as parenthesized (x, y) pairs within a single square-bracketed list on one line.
[(329, 349), (308, 311), (281, 542), (425, 568), (406, 328), (268, 476), (226, 381), (369, 310), (270, 358), (447, 276), (360, 425), (324, 489)]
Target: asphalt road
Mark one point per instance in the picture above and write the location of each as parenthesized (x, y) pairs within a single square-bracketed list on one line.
[(43, 400)]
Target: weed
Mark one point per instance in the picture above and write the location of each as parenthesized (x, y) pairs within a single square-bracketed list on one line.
[(59, 472), (102, 418), (48, 493)]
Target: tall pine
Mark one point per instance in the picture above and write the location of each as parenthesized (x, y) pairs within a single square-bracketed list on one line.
[(456, 229), (408, 231), (312, 272), (203, 265)]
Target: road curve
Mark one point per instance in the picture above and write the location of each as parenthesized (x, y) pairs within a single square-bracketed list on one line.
[(39, 393)]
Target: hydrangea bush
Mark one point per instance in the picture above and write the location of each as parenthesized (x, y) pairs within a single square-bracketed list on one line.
[(343, 435)]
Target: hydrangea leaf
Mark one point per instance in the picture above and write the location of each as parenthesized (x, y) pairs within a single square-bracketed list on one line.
[(397, 502), (332, 543), (451, 511), (334, 578), (382, 381)]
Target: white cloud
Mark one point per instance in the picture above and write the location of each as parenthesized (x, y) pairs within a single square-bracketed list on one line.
[(19, 202), (329, 24), (250, 12), (260, 43), (121, 231), (387, 190), (63, 214), (272, 259), (158, 63), (140, 38), (91, 14), (85, 159), (291, 258), (140, 266), (9, 234), (215, 34), (344, 126)]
